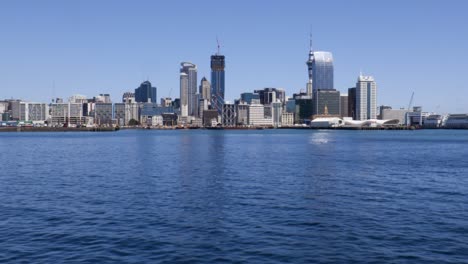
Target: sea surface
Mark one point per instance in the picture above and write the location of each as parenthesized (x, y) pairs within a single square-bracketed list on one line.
[(262, 196)]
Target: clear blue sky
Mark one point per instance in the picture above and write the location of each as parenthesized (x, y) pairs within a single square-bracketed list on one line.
[(92, 47)]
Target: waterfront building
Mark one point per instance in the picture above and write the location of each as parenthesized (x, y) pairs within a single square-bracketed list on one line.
[(344, 105), (205, 89), (119, 114), (417, 117), (326, 103), (287, 119), (257, 116), (398, 114), (381, 109), (146, 93), (128, 97), (229, 114), (304, 109), (217, 82), (188, 89), (459, 121), (434, 121), (242, 114), (29, 111), (210, 117), (66, 113), (248, 97), (276, 113), (352, 102), (132, 111), (366, 98), (270, 95), (103, 113), (169, 119)]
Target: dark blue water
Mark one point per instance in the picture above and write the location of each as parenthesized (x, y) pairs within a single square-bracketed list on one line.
[(273, 196)]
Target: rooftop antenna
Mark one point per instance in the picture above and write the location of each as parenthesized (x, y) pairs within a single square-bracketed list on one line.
[(217, 41)]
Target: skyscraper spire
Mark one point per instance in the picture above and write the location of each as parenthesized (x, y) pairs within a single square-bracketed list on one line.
[(310, 44)]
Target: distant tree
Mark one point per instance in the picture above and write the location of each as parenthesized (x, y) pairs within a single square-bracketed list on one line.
[(133, 122)]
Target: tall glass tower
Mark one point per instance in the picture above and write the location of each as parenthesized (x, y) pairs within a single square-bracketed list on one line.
[(217, 82), (320, 66)]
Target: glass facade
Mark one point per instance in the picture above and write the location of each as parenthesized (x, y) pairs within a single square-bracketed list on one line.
[(322, 70), (145, 93), (217, 82)]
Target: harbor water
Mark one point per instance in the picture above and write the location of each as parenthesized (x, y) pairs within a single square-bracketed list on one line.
[(258, 196)]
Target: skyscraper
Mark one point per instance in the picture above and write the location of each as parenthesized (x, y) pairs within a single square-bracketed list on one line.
[(188, 89), (366, 98), (205, 89), (217, 82), (145, 93), (320, 67)]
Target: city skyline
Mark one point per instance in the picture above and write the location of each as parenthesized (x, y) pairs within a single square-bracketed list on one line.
[(44, 45)]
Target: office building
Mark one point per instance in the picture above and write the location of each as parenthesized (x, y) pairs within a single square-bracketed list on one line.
[(276, 113), (229, 114), (248, 97), (326, 103), (366, 98), (352, 102), (344, 105), (146, 93), (66, 114), (257, 116), (128, 97), (166, 102), (78, 99), (242, 114), (320, 67), (119, 114), (217, 82), (210, 117), (188, 89), (205, 89), (270, 95), (103, 113), (392, 114), (287, 119)]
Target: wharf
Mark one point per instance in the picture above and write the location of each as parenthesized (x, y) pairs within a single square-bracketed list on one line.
[(58, 129)]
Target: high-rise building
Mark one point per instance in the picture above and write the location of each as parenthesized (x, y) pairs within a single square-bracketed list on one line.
[(102, 98), (276, 113), (270, 95), (205, 89), (188, 89), (366, 98), (257, 117), (146, 93), (326, 102), (320, 65), (352, 102), (242, 114), (217, 82), (344, 105)]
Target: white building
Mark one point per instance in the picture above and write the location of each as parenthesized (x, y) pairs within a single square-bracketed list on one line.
[(242, 114), (366, 98), (276, 112), (287, 119), (71, 113), (257, 116)]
